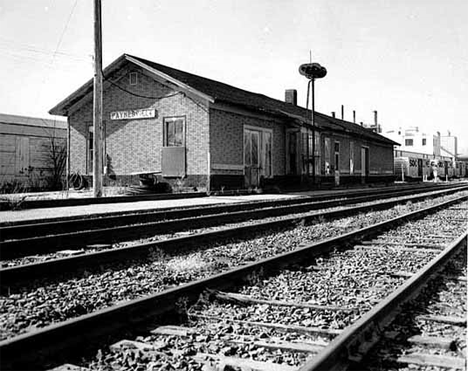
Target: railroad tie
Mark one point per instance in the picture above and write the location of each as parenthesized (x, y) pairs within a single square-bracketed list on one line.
[(68, 367), (248, 300), (282, 345), (306, 347), (276, 326), (171, 330), (450, 320), (203, 358), (461, 279), (137, 346), (403, 244), (406, 249), (242, 363), (433, 341), (432, 360), (401, 274)]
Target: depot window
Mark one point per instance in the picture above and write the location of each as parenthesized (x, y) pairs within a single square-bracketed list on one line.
[(174, 131), (408, 142)]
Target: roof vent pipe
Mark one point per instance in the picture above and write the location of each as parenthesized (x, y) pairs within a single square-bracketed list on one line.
[(342, 112), (290, 96), (354, 116), (375, 118)]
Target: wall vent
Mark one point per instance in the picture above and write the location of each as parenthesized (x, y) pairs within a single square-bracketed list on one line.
[(133, 78)]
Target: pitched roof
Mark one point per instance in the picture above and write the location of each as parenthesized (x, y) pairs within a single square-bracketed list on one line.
[(224, 93), (32, 121)]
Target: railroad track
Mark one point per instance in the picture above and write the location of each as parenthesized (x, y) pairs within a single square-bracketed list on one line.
[(18, 240), (62, 340), (118, 218), (25, 269), (429, 331)]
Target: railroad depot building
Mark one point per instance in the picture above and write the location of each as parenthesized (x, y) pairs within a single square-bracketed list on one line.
[(203, 133)]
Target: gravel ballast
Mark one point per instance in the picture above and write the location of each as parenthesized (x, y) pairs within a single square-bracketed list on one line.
[(44, 303)]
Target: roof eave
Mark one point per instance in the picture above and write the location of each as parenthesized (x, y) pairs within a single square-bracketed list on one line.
[(170, 79), (62, 109)]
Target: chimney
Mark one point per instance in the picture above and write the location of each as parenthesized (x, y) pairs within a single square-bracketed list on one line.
[(290, 96), (342, 112), (362, 124), (333, 113), (375, 118), (354, 116)]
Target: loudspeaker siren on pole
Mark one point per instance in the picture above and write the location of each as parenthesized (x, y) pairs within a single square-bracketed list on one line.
[(312, 70)]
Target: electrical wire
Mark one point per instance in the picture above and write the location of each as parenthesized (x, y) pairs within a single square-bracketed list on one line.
[(65, 29), (139, 95), (151, 97), (39, 91), (7, 45)]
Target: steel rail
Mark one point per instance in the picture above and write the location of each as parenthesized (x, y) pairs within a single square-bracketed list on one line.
[(19, 229), (59, 342), (357, 339), (43, 244), (69, 265), (48, 203)]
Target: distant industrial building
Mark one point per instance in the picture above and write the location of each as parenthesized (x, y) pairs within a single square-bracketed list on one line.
[(412, 139), (449, 145)]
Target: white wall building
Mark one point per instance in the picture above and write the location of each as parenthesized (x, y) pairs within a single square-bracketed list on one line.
[(413, 140)]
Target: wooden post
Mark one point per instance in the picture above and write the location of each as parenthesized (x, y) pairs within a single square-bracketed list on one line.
[(97, 118)]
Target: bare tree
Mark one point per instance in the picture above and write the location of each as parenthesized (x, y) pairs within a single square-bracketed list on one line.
[(55, 159)]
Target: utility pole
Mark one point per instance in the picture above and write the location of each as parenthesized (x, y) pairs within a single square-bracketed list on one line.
[(97, 103)]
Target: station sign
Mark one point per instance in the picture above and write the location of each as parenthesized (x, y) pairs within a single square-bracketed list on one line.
[(133, 114)]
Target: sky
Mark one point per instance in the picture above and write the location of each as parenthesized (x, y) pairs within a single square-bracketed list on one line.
[(407, 59)]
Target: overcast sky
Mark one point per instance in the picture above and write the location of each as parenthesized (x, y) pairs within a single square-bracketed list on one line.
[(407, 59)]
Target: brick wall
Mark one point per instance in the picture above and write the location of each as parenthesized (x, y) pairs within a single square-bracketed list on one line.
[(381, 159), (226, 136), (380, 155), (135, 145)]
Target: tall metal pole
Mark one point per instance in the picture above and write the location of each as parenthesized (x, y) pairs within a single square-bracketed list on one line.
[(313, 131), (97, 117), (312, 71)]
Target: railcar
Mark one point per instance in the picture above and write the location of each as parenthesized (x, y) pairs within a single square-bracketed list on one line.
[(461, 169), (411, 168)]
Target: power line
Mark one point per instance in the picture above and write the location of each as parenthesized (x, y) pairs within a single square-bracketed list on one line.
[(65, 28), (13, 46), (39, 91)]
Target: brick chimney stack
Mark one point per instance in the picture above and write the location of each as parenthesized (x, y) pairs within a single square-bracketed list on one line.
[(290, 96)]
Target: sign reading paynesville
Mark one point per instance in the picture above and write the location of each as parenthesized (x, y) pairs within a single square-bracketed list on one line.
[(133, 114)]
